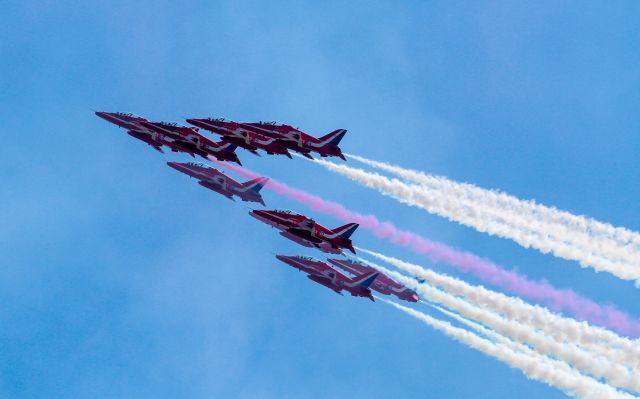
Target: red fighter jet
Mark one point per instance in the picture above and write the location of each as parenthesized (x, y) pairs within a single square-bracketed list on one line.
[(215, 180), (324, 274), (233, 133), (299, 141), (133, 124), (192, 142), (305, 231), (383, 283)]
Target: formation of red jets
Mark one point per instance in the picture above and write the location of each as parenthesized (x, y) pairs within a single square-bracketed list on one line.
[(272, 138)]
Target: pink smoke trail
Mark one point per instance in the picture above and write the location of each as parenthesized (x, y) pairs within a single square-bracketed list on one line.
[(557, 299)]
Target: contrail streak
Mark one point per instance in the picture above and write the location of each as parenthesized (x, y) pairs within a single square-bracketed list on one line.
[(536, 367), (558, 299), (575, 224), (433, 201), (561, 329), (481, 329), (486, 332), (591, 363), (533, 221)]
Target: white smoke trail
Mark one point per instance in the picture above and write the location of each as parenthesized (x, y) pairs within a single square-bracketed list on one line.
[(590, 363), (479, 328), (563, 330), (617, 243), (619, 234), (450, 208), (483, 330), (537, 367)]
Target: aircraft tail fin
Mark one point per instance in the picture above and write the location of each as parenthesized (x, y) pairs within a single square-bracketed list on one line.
[(366, 279), (346, 231), (255, 184), (333, 138), (228, 147)]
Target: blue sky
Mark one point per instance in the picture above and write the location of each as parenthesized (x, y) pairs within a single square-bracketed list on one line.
[(123, 278)]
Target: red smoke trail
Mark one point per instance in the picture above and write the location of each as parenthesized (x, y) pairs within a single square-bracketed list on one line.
[(558, 299)]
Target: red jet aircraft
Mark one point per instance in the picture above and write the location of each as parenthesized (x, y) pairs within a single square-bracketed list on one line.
[(299, 141), (326, 275), (383, 283), (194, 143), (234, 133), (305, 231), (217, 181), (133, 124)]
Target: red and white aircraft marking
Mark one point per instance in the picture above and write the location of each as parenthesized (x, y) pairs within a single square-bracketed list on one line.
[(234, 133), (296, 140), (326, 275), (382, 284), (133, 124), (192, 142), (305, 231), (217, 181)]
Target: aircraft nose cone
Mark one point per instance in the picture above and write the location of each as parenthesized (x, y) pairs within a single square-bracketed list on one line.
[(101, 114), (256, 213), (281, 258), (172, 164)]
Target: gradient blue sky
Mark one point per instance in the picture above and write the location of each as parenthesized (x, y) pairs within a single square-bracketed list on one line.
[(121, 277)]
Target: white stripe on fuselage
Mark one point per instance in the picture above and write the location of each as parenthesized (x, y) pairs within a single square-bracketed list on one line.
[(266, 130), (226, 185), (171, 132), (234, 132), (136, 125), (324, 273), (265, 142)]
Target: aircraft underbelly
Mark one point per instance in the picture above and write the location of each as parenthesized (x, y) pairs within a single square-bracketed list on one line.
[(324, 281), (296, 239)]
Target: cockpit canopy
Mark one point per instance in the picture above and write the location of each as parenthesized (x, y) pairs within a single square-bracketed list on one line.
[(174, 124), (199, 164), (221, 119), (309, 258), (287, 211), (129, 114), (270, 123), (356, 262)]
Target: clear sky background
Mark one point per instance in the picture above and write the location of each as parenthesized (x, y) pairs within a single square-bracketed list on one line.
[(120, 277)]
